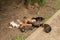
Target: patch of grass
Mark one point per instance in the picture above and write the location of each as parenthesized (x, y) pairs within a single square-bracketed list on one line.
[(1, 16), (23, 36), (58, 7), (57, 0), (47, 16), (27, 2), (42, 2), (20, 37)]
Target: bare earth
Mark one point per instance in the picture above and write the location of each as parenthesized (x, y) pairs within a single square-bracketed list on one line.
[(12, 10), (54, 22)]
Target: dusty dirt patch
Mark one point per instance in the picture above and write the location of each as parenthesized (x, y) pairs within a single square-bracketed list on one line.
[(13, 11)]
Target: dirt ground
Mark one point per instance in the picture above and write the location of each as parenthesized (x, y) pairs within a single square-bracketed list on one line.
[(13, 10)]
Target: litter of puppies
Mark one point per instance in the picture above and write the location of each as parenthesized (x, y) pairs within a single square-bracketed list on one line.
[(30, 24)]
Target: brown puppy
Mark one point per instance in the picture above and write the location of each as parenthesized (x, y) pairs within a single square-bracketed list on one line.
[(47, 27)]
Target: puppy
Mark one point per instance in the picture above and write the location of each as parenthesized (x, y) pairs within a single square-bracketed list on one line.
[(47, 28), (36, 24), (13, 24), (38, 18)]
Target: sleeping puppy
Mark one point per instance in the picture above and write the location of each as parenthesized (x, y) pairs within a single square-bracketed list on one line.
[(38, 18), (36, 24), (26, 28), (47, 27), (13, 24)]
